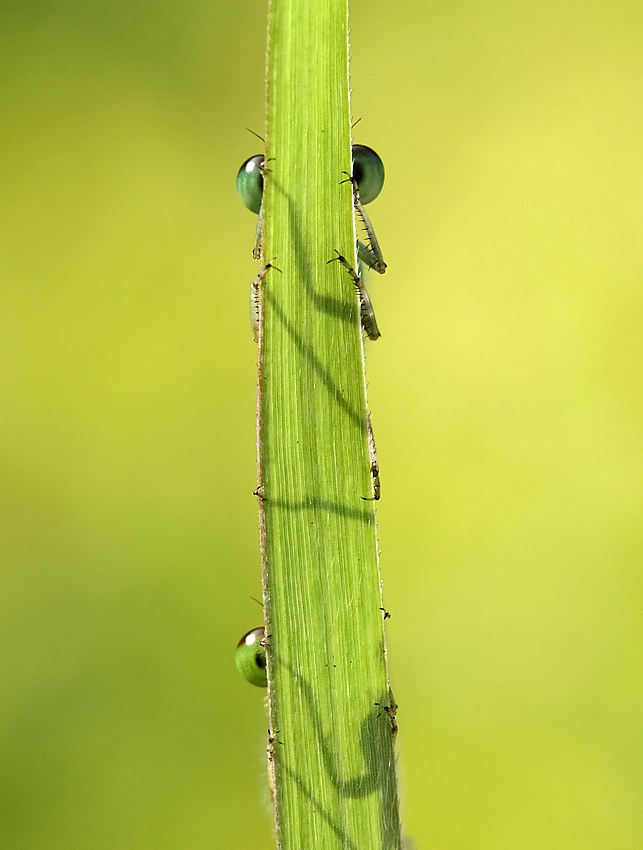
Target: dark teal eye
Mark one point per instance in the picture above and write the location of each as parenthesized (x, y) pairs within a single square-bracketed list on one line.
[(368, 172), (250, 182), (250, 656)]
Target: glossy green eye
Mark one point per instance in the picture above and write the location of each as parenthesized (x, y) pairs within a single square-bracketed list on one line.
[(250, 657), (368, 172), (250, 182)]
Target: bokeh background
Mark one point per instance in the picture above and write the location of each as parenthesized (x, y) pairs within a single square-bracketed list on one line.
[(507, 403)]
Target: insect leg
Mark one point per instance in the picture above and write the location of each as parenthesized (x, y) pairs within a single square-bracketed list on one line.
[(375, 469), (374, 258), (258, 246), (369, 322), (370, 254), (255, 299), (390, 710)]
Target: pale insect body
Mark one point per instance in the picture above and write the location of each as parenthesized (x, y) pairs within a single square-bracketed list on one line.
[(369, 258)]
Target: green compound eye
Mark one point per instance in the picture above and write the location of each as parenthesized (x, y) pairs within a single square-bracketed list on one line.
[(250, 657), (368, 172), (250, 183)]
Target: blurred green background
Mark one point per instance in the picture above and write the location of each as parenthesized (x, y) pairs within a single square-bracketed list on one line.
[(507, 405)]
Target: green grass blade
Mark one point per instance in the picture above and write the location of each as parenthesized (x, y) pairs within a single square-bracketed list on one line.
[(332, 761)]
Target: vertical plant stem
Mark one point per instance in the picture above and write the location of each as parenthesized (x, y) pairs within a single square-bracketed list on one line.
[(331, 748)]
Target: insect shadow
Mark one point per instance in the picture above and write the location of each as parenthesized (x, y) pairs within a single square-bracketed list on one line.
[(376, 777)]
